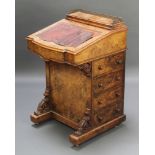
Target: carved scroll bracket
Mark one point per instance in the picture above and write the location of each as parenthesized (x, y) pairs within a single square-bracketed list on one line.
[(85, 123), (44, 106), (86, 69)]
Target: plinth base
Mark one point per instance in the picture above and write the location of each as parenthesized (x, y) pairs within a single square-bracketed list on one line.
[(78, 139)]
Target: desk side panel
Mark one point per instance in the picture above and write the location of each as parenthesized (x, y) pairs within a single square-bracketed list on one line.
[(71, 91)]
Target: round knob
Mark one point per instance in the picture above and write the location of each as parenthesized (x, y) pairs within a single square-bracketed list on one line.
[(119, 61), (118, 110), (100, 118), (108, 59), (100, 67), (118, 78), (99, 102), (117, 94), (100, 85)]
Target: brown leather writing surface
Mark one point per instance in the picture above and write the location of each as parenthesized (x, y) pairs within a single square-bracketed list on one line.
[(66, 35)]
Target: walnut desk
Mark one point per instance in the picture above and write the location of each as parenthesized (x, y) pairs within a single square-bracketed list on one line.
[(84, 56)]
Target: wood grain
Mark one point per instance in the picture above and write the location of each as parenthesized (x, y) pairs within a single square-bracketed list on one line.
[(71, 90), (85, 77)]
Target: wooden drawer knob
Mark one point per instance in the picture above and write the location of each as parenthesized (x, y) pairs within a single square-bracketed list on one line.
[(99, 102), (100, 67), (116, 111), (119, 61), (108, 59), (100, 85), (100, 118), (117, 94), (118, 78)]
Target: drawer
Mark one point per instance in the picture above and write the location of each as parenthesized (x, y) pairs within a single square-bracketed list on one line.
[(108, 64), (105, 114), (107, 81), (108, 97)]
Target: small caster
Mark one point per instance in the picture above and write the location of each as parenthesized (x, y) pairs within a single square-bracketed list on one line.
[(36, 124), (76, 145)]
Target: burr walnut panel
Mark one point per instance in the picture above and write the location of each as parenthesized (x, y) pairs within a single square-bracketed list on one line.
[(115, 42), (108, 64), (71, 90)]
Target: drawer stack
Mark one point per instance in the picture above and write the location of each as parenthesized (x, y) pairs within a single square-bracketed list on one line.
[(108, 88)]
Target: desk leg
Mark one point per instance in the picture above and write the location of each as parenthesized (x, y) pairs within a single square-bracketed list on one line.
[(44, 107)]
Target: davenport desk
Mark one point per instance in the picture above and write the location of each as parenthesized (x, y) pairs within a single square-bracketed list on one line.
[(84, 56)]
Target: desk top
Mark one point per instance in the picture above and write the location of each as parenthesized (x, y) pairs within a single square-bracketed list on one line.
[(65, 40)]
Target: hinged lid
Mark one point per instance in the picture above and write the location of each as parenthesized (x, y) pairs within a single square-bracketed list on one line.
[(79, 38), (66, 34), (102, 21)]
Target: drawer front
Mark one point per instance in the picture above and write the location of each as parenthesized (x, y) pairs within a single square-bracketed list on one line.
[(108, 97), (107, 81), (105, 114), (108, 64)]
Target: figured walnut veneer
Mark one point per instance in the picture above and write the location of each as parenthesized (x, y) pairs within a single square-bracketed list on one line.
[(84, 56)]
